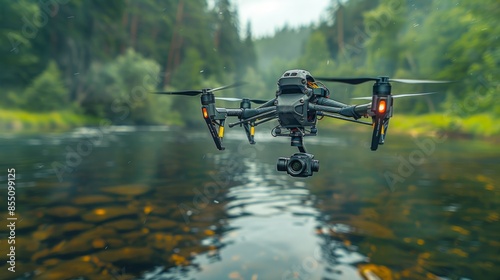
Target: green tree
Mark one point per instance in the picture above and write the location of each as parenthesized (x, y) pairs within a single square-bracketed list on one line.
[(121, 89), (249, 55), (383, 26), (17, 34), (475, 58), (46, 93), (344, 30), (227, 38), (316, 57)]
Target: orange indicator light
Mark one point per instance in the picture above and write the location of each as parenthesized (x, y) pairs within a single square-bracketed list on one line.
[(382, 105), (205, 112)]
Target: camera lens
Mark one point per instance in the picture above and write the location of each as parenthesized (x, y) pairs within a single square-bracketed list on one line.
[(296, 166)]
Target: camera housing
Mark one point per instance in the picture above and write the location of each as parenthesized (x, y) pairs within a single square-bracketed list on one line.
[(298, 165)]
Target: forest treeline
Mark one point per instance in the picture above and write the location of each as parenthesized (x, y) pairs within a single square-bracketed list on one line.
[(101, 59)]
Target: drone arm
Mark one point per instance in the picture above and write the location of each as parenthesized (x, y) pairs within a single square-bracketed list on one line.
[(255, 114), (267, 104), (252, 113), (353, 111), (231, 112), (330, 103), (362, 109), (342, 118), (324, 108), (244, 114)]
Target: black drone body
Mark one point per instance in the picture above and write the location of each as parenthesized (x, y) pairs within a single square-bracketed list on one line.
[(300, 100)]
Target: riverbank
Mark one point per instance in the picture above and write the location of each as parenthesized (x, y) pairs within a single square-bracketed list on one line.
[(477, 126), (480, 126), (19, 121)]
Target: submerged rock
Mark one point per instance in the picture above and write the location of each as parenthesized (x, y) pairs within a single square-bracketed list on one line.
[(107, 213), (53, 231), (86, 242), (369, 228), (92, 199), (25, 247), (373, 272), (22, 268), (68, 270), (123, 224), (45, 232), (129, 255), (155, 223), (134, 236), (24, 223), (75, 226), (166, 242), (63, 211), (128, 190)]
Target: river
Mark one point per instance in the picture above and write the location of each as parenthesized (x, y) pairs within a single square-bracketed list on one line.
[(163, 203)]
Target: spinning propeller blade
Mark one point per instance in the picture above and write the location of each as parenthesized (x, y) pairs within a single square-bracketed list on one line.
[(182, 92), (256, 101), (197, 92), (412, 94), (355, 81), (398, 95), (352, 81), (237, 84), (411, 81)]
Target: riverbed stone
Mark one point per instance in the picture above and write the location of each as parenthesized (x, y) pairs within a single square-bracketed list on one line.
[(127, 190), (92, 199), (63, 211), (156, 223), (107, 213), (68, 270), (81, 244), (124, 224), (129, 255), (75, 226)]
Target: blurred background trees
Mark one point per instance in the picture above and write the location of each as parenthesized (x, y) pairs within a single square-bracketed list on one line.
[(100, 58)]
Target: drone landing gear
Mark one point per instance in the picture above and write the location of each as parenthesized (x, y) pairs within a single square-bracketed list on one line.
[(216, 135), (250, 131)]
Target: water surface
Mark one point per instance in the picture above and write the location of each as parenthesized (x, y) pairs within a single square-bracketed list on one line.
[(159, 203)]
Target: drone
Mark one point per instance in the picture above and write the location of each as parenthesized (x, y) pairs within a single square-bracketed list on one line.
[(301, 100)]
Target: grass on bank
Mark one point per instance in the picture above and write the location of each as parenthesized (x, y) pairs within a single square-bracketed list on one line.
[(22, 121), (476, 125), (481, 125)]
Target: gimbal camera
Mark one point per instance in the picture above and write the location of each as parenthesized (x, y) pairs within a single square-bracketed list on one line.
[(298, 165)]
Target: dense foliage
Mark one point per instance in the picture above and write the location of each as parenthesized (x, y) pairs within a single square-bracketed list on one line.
[(101, 58)]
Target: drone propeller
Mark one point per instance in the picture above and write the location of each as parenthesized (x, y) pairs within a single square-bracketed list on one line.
[(197, 92), (412, 81), (352, 81), (398, 95), (256, 101), (356, 81), (237, 84), (181, 92)]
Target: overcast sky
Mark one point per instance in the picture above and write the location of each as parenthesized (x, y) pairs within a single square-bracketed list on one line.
[(267, 15)]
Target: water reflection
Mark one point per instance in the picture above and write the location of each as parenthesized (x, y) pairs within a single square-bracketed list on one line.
[(266, 212), (148, 204)]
